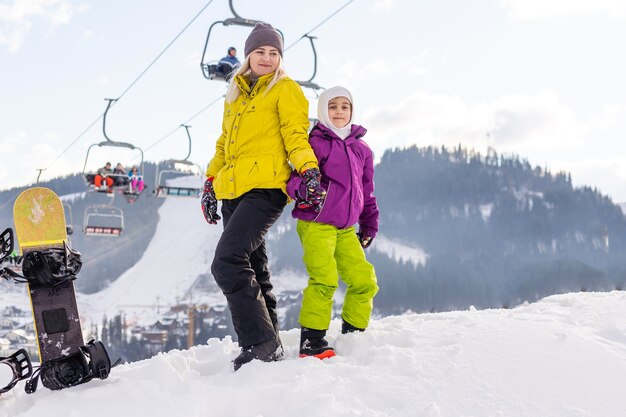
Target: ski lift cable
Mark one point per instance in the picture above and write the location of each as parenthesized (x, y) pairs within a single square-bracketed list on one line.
[(133, 83), (165, 49), (130, 238), (221, 96), (74, 141), (320, 24), (198, 113)]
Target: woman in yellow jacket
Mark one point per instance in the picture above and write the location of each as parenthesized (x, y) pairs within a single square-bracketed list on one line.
[(264, 129)]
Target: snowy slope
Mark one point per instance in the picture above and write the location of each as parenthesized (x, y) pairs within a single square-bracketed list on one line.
[(563, 356), (181, 249)]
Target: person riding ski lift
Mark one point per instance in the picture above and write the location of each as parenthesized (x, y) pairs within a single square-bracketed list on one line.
[(120, 176), (136, 180), (227, 65), (103, 174)]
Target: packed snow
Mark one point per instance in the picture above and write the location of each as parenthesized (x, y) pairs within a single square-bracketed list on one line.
[(563, 356)]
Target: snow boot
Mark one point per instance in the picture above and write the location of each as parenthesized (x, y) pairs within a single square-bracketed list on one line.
[(312, 343), (268, 351), (348, 328), (277, 330)]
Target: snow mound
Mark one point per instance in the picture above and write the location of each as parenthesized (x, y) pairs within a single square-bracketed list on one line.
[(563, 356)]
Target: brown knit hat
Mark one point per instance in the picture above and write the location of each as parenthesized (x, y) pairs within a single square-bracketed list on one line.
[(263, 34)]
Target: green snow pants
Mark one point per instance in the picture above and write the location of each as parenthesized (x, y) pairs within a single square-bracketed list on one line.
[(330, 253)]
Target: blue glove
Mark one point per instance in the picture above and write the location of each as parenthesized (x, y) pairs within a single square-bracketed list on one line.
[(365, 240), (209, 203), (314, 194)]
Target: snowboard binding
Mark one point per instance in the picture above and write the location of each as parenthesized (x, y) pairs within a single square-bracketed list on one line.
[(90, 361), (6, 244), (20, 365), (50, 267)]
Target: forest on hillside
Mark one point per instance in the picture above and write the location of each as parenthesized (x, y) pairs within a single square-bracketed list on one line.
[(497, 231)]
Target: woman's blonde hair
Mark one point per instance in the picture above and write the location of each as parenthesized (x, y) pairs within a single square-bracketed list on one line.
[(233, 89)]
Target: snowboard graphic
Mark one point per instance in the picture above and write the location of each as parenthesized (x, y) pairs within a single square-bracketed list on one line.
[(39, 225)]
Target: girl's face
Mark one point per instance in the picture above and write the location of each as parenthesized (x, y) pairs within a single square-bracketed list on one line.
[(340, 111), (264, 60)]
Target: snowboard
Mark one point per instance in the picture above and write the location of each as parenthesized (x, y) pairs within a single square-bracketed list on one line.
[(39, 221)]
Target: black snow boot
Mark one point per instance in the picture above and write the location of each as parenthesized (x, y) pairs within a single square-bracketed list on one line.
[(312, 343), (277, 330), (348, 328), (268, 351)]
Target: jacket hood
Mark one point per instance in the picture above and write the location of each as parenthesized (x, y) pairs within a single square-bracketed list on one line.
[(322, 109)]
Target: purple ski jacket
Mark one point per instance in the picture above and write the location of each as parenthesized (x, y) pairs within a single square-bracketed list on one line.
[(347, 169)]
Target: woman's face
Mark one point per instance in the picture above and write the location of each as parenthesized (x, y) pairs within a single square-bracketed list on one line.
[(264, 60), (340, 111)]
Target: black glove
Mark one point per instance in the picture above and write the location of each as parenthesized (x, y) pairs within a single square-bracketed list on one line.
[(365, 240), (314, 193), (209, 203)]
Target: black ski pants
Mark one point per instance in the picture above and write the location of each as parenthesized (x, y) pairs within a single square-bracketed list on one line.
[(240, 266)]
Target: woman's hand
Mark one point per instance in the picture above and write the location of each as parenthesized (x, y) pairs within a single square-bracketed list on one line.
[(209, 203), (314, 193)]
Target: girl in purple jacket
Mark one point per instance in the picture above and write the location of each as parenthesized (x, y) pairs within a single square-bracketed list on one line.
[(332, 246)]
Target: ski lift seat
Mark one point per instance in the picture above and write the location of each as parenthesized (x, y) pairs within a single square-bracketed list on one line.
[(103, 220), (222, 70), (103, 231), (168, 191)]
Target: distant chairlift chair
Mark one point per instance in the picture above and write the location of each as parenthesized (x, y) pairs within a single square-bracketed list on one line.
[(215, 70), (103, 220), (163, 189), (89, 177)]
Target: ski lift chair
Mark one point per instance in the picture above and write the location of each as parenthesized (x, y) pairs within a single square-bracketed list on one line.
[(163, 189), (214, 70), (221, 70), (309, 83), (103, 220), (90, 177), (123, 186)]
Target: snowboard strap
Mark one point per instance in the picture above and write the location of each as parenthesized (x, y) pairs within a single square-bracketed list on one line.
[(90, 361), (20, 364), (50, 267), (6, 244)]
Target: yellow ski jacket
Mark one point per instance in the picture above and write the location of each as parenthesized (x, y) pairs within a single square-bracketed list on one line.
[(262, 131)]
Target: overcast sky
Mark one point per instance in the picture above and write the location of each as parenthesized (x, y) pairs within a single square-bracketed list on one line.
[(543, 79)]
